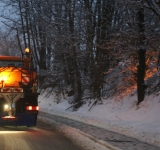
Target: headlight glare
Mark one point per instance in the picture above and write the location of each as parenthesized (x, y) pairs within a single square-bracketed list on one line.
[(6, 106)]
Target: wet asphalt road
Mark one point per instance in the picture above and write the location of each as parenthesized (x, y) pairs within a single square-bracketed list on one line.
[(41, 137), (116, 139)]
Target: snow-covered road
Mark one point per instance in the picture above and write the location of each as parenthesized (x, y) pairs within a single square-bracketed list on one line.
[(91, 137), (41, 137), (79, 138)]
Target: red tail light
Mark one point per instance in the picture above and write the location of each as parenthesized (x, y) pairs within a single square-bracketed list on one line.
[(32, 108), (37, 108)]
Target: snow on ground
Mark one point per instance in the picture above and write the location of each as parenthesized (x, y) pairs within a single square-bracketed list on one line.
[(121, 115)]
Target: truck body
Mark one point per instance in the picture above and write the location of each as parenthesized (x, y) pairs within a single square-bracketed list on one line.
[(18, 91)]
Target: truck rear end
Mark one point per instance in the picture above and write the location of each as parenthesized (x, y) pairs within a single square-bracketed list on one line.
[(18, 92)]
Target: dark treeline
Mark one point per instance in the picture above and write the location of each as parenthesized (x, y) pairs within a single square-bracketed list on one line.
[(94, 47)]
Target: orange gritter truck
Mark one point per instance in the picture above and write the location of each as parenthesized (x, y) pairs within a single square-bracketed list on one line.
[(18, 91)]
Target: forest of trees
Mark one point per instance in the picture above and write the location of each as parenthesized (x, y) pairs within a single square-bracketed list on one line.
[(98, 47)]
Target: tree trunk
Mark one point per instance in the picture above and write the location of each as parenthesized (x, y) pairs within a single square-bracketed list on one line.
[(141, 57), (74, 55)]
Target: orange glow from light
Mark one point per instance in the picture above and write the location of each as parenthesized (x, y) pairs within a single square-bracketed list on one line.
[(150, 73), (27, 50), (3, 78), (9, 118)]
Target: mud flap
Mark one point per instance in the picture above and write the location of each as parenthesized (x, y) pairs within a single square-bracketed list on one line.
[(19, 120)]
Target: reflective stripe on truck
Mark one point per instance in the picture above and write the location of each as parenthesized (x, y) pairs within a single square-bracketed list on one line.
[(25, 78)]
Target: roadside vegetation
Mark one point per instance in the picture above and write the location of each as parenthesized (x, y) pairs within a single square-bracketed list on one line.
[(87, 48)]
